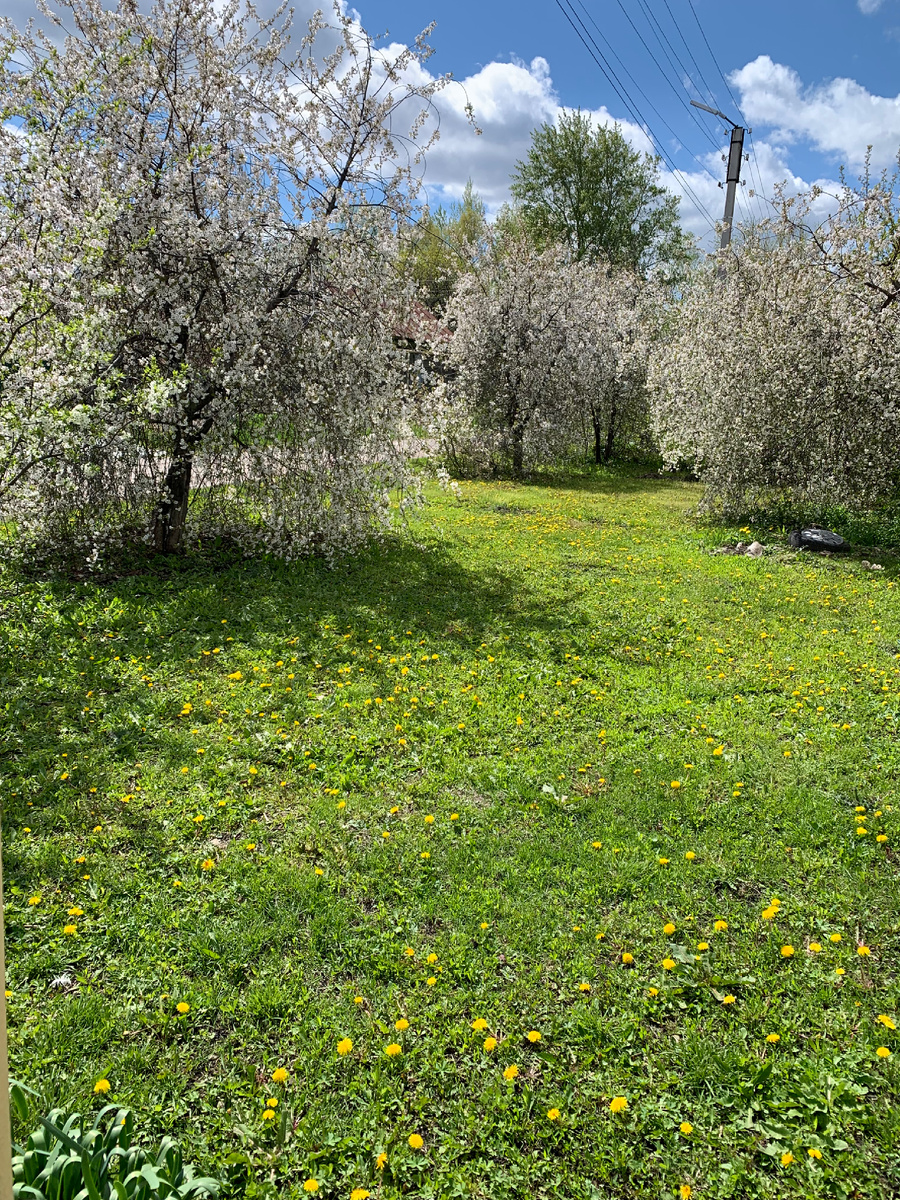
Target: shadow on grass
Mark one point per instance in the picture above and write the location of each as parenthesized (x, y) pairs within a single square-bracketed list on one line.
[(90, 639)]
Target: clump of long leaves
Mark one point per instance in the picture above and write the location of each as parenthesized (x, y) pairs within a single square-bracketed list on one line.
[(61, 1162)]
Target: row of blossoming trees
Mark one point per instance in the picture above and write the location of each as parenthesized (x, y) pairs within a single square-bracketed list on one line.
[(206, 231)]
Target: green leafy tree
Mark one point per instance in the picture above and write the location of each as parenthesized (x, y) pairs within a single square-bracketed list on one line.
[(448, 243), (585, 186)]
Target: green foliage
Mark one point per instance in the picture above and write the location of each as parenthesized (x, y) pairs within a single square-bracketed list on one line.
[(556, 656), (446, 244), (59, 1162), (584, 185)]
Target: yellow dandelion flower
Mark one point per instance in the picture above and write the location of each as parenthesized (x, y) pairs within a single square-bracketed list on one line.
[(886, 1021), (479, 1024), (686, 1128), (720, 926), (311, 1185), (490, 1044), (883, 1052), (533, 1036), (102, 1086), (669, 928), (814, 1153), (381, 1161), (552, 1114), (618, 1104), (393, 1050), (511, 1072), (401, 1024), (279, 1075), (729, 999), (344, 1046), (668, 964), (787, 951), (772, 1038), (415, 1141), (183, 1007), (787, 1158)]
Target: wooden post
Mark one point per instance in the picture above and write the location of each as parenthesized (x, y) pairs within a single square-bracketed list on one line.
[(6, 1180)]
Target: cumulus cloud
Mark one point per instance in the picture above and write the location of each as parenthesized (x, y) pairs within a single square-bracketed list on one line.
[(509, 100), (869, 6), (840, 118)]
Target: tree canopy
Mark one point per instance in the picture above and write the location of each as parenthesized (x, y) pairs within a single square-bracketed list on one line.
[(584, 185), (448, 241)]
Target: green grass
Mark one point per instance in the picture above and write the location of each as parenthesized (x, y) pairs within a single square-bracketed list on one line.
[(536, 668)]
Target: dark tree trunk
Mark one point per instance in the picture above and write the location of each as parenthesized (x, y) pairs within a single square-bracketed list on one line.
[(171, 514), (598, 438), (518, 451), (610, 435)]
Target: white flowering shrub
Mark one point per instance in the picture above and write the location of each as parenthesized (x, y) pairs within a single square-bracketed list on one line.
[(615, 329), (197, 293), (547, 361), (779, 383)]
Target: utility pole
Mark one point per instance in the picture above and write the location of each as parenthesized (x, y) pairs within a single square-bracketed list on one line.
[(733, 174)]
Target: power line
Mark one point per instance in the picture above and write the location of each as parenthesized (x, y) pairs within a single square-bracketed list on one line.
[(666, 45), (584, 36), (697, 66), (637, 86), (716, 62), (679, 92), (753, 160)]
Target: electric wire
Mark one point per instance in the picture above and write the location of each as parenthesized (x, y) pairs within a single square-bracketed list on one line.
[(670, 52), (637, 86), (709, 91), (753, 160), (584, 36), (679, 92)]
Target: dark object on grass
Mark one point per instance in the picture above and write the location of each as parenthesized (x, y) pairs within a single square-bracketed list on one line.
[(816, 539)]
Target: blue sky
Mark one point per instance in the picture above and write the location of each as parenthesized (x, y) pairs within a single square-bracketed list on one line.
[(816, 81)]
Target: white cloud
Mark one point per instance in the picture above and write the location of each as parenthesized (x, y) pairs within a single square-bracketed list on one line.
[(509, 101), (840, 118), (869, 6)]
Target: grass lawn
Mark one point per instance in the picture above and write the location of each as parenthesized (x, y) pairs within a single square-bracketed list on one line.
[(537, 832)]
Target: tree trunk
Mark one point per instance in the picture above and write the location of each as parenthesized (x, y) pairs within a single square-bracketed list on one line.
[(518, 450), (610, 434), (171, 514), (598, 437)]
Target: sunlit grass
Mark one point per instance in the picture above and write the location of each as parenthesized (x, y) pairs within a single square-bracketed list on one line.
[(541, 765)]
